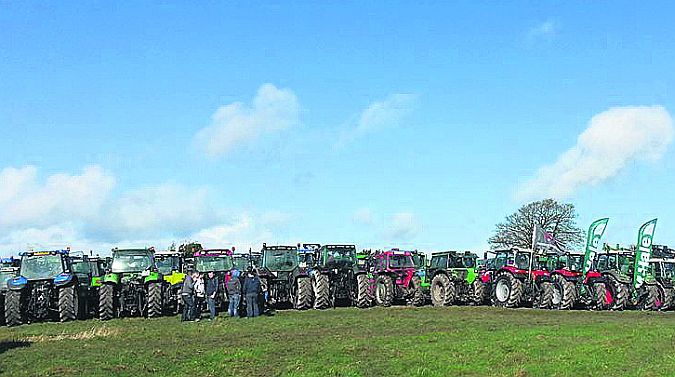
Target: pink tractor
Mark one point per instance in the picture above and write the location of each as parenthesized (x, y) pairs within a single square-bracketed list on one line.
[(392, 276)]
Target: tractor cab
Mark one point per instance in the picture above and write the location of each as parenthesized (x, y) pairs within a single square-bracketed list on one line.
[(280, 258), (338, 256), (618, 259), (214, 260), (241, 261), (307, 254)]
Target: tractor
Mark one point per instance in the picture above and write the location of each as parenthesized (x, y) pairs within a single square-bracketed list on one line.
[(241, 262), (132, 285), (337, 276), (170, 264), (617, 265), (517, 277), (218, 261), (283, 278), (421, 264), (46, 287), (663, 268), (8, 271), (393, 276), (454, 278), (90, 277)]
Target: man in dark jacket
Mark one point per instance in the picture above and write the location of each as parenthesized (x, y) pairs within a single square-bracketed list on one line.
[(187, 293), (233, 293), (251, 292), (211, 292)]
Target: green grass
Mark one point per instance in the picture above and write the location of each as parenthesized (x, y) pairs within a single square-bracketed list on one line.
[(462, 341)]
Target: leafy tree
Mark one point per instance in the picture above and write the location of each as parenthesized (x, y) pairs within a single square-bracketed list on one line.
[(557, 219)]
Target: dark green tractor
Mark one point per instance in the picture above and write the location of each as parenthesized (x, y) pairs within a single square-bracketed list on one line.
[(132, 286), (46, 288), (90, 277), (455, 279), (338, 277), (283, 278)]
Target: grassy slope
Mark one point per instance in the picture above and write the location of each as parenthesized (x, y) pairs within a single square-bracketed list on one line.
[(350, 342)]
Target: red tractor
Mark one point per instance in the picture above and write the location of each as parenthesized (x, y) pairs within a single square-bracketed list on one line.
[(393, 276), (517, 277)]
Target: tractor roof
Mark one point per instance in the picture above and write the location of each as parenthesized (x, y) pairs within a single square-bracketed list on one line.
[(214, 253), (454, 253), (395, 251), (279, 248), (45, 252), (340, 246)]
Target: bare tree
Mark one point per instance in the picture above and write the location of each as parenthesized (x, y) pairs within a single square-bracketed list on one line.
[(557, 219)]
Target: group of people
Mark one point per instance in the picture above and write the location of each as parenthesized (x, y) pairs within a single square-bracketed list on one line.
[(198, 288)]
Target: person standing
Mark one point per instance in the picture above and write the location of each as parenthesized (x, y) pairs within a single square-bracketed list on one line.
[(211, 292), (251, 292), (187, 294), (234, 293), (200, 294)]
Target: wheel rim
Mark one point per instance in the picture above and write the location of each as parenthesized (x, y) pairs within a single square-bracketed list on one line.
[(439, 292), (502, 291), (381, 291)]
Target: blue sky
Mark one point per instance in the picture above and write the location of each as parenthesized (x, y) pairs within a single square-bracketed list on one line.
[(382, 124)]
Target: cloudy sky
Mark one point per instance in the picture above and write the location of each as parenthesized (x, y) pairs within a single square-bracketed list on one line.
[(383, 125)]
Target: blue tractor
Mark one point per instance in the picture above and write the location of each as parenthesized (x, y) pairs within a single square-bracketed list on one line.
[(46, 288)]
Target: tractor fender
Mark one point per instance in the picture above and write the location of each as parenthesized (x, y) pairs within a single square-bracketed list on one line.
[(18, 283), (567, 275), (111, 279), (618, 277), (65, 279), (153, 277), (96, 281)]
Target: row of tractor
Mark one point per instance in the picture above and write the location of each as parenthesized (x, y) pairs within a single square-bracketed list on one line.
[(61, 285)]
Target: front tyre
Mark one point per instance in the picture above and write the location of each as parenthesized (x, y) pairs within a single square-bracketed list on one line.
[(417, 298), (384, 291), (363, 297), (442, 290), (321, 288), (154, 300), (507, 291), (13, 315), (106, 298), (303, 297), (68, 304)]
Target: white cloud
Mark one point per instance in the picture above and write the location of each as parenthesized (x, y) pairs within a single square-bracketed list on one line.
[(404, 225), (235, 124), (613, 139), (545, 30), (25, 201), (378, 116)]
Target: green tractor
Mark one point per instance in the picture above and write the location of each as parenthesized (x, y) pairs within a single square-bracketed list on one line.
[(283, 278), (170, 264), (455, 278), (220, 262), (663, 268), (90, 276), (45, 288), (337, 276), (132, 285)]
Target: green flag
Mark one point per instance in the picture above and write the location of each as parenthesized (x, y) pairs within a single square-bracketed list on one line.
[(595, 232), (643, 252)]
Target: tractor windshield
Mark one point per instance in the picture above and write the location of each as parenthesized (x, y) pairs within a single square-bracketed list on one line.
[(241, 262), (469, 261), (575, 262), (401, 261), (213, 263), (342, 256), (131, 262), (306, 259), (38, 267), (81, 267), (281, 260), (418, 260), (166, 264), (668, 270)]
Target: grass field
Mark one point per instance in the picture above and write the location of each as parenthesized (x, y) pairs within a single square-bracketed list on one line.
[(464, 341)]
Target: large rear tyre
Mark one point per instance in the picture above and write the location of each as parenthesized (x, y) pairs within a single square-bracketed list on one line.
[(13, 315), (303, 297), (442, 290), (106, 297), (384, 291), (602, 298), (564, 294), (68, 304), (619, 293), (477, 292), (665, 298), (507, 291), (417, 298), (363, 298), (545, 298), (321, 288), (154, 300), (648, 298)]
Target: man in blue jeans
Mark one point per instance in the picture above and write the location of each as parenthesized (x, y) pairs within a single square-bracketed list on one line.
[(211, 292), (233, 293), (251, 292)]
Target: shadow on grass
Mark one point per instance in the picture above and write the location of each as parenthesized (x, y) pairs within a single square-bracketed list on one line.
[(12, 344)]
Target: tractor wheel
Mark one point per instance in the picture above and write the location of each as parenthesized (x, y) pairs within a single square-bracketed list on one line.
[(303, 296), (619, 293), (601, 301), (13, 315), (564, 294), (363, 298), (68, 304), (106, 297), (442, 290), (321, 287), (154, 300), (545, 298), (477, 292), (666, 298), (649, 297), (384, 290), (507, 291), (417, 298)]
